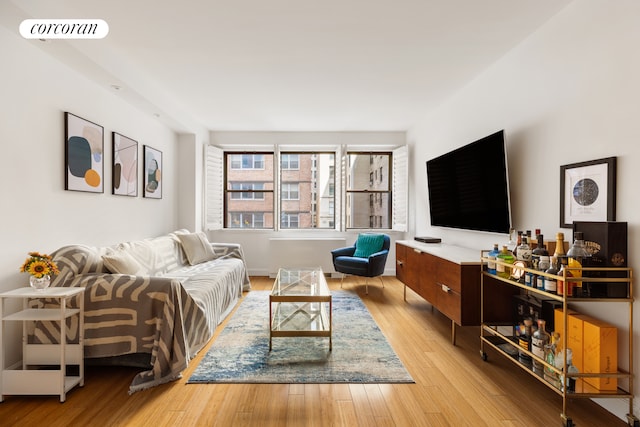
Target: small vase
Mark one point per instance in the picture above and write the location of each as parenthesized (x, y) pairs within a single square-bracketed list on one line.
[(40, 283)]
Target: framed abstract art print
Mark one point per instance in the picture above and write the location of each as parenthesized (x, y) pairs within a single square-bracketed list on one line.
[(84, 155), (152, 173)]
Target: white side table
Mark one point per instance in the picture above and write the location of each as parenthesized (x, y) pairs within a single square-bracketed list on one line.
[(28, 379)]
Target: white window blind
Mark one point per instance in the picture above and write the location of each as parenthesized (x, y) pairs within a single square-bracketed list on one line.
[(214, 187), (400, 189)]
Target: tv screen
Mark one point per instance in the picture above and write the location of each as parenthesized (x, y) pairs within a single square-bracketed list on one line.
[(469, 187)]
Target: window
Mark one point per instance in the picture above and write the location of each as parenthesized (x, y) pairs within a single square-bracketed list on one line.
[(289, 220), (246, 220), (289, 161), (241, 191), (368, 193), (290, 191), (248, 201), (247, 161), (307, 180)]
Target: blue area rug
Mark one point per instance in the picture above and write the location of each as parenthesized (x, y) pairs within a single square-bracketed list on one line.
[(361, 353)]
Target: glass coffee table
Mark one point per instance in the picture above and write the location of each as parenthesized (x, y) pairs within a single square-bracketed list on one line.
[(300, 305)]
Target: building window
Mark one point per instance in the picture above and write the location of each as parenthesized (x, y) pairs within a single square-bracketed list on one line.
[(289, 161), (247, 161), (289, 220), (246, 220), (369, 190), (249, 201), (290, 191), (244, 190)]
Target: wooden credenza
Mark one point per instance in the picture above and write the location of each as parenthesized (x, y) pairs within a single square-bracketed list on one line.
[(448, 277)]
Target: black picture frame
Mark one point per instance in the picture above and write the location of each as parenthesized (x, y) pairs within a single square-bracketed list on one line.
[(124, 167), (152, 173), (588, 191), (83, 155)]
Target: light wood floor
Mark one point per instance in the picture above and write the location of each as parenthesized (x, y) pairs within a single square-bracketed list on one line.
[(454, 387)]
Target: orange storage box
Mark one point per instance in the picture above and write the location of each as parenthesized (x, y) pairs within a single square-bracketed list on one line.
[(600, 353)]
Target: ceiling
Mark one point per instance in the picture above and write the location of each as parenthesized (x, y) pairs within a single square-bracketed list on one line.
[(289, 65)]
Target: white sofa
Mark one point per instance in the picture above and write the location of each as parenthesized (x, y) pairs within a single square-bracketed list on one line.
[(157, 300)]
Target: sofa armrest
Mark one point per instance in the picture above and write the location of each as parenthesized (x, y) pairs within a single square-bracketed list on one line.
[(232, 250), (127, 314)]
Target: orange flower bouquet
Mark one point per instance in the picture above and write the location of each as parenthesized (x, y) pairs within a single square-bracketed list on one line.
[(39, 265)]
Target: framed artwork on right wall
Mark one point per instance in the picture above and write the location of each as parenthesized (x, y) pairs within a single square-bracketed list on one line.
[(588, 191), (152, 173), (125, 166)]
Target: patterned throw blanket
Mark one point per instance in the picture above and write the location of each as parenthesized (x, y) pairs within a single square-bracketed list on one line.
[(168, 315)]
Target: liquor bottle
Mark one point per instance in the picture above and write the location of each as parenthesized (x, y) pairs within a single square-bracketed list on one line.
[(511, 244), (559, 252), (563, 286), (539, 340), (540, 248), (524, 256), (506, 257), (524, 342), (535, 235), (491, 266), (550, 283), (550, 356), (576, 254), (543, 265), (518, 243), (524, 251), (565, 379)]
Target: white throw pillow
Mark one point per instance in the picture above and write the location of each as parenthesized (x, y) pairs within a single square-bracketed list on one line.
[(197, 247), (121, 262)]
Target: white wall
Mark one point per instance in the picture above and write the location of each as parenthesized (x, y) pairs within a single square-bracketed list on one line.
[(569, 93), (256, 243), (37, 213)]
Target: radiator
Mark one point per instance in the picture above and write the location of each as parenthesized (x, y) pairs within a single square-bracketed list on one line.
[(303, 252)]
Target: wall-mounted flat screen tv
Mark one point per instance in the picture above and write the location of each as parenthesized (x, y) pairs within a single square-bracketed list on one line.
[(469, 187)]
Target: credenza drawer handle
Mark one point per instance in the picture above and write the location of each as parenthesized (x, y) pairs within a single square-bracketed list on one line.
[(445, 288), (418, 251), (400, 263)]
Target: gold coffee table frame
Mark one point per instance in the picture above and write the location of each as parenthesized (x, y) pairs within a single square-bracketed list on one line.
[(300, 305)]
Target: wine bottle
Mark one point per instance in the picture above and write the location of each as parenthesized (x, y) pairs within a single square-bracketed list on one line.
[(559, 252), (540, 248)]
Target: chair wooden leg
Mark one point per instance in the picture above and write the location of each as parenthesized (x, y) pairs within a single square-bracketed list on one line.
[(381, 281), (342, 280), (366, 285)]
